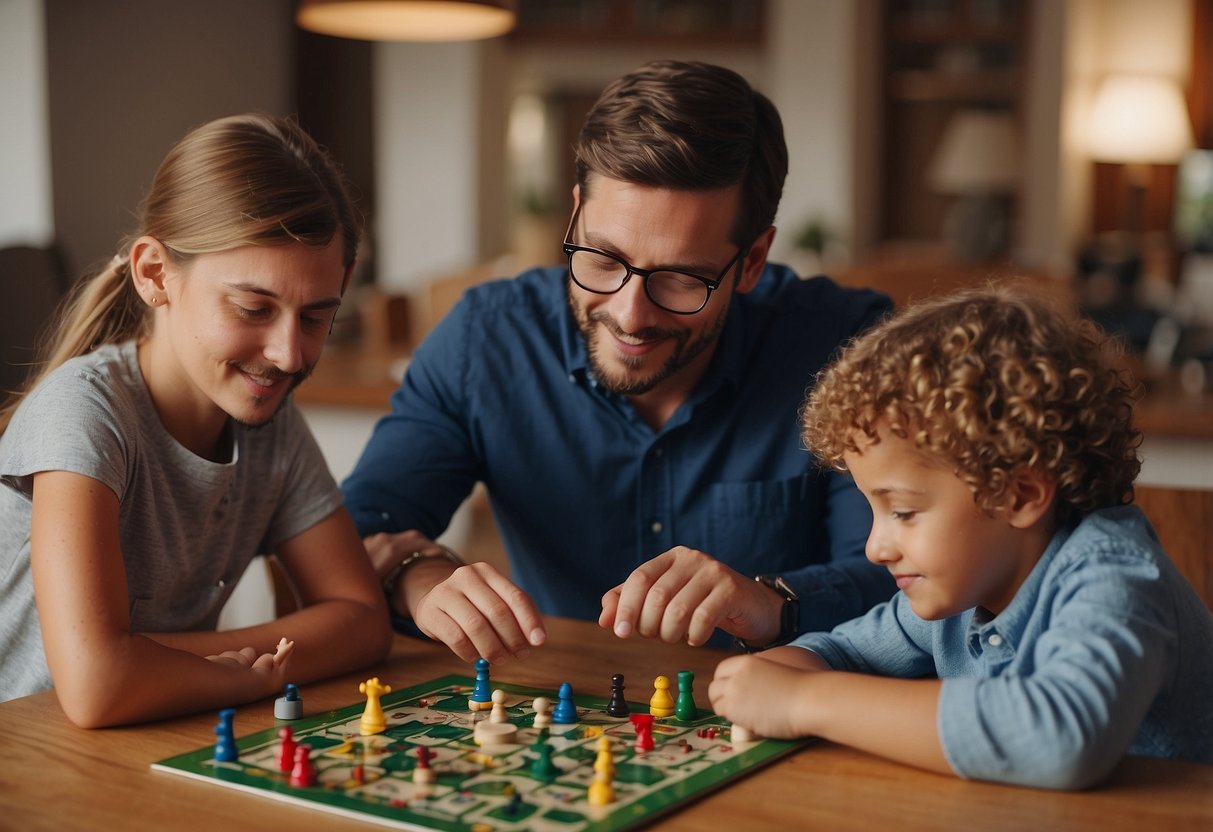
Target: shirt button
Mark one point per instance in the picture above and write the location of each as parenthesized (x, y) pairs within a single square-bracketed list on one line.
[(995, 640), (656, 527)]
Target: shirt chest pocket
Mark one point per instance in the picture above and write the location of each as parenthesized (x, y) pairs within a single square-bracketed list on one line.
[(762, 526)]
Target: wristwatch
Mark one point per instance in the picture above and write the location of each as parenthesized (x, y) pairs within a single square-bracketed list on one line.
[(789, 614), (437, 550)]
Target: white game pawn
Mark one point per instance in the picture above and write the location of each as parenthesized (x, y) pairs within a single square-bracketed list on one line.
[(543, 712), (741, 734), (488, 734), (498, 713)]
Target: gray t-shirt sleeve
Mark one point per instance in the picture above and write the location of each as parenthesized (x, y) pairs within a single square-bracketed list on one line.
[(309, 492)]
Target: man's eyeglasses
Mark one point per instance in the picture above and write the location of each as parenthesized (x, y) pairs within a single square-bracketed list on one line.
[(674, 291)]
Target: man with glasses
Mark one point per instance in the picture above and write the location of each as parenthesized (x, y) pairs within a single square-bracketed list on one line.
[(633, 416)]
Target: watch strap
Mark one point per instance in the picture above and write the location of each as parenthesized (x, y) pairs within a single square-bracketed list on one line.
[(789, 614)]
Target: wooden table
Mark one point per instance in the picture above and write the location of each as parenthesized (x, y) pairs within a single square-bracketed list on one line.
[(54, 776)]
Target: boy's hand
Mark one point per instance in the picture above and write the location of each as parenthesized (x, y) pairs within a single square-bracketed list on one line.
[(763, 694)]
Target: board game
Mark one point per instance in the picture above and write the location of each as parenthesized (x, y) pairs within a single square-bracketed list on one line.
[(491, 787)]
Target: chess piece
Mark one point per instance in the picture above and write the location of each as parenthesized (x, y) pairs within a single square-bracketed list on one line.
[(481, 696), (617, 705), (643, 724), (498, 713), (289, 705), (662, 704), (303, 774), (286, 754), (566, 711), (373, 721), (685, 709), (543, 714), (423, 773), (225, 745)]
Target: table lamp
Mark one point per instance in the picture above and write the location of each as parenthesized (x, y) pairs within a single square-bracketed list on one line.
[(1138, 120), (977, 161), (408, 20)]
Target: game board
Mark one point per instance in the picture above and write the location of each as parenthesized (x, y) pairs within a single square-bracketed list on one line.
[(475, 785)]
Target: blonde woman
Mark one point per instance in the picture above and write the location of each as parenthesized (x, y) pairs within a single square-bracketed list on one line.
[(157, 450)]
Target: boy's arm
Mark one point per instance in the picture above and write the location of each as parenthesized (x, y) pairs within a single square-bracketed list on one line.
[(791, 692)]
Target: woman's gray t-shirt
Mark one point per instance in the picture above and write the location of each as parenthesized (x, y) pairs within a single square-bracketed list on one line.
[(189, 526)]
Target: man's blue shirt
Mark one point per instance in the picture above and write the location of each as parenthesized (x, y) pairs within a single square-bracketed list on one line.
[(1103, 650), (584, 490)]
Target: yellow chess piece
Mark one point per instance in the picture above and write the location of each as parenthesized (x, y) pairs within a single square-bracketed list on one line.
[(373, 721), (662, 704)]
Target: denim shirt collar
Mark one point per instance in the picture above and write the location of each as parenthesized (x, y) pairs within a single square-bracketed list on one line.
[(1009, 625)]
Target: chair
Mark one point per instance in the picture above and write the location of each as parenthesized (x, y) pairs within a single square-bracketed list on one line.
[(1184, 521), (32, 282)]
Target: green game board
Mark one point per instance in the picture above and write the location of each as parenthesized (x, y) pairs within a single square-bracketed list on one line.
[(474, 785)]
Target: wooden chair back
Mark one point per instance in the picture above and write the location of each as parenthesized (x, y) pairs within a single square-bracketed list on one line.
[(1183, 519)]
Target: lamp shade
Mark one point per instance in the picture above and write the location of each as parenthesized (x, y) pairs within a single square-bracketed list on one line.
[(979, 153), (408, 20), (1139, 119)]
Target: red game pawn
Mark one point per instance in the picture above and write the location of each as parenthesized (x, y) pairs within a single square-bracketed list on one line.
[(286, 757), (643, 723), (303, 774), (423, 773)]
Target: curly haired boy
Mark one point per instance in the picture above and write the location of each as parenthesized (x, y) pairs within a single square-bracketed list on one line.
[(1039, 632)]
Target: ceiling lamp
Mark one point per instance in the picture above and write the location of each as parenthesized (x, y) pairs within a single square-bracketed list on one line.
[(424, 20)]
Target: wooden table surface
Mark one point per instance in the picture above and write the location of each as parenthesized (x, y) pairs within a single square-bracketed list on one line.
[(54, 776)]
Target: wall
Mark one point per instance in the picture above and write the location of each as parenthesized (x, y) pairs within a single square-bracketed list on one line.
[(25, 173)]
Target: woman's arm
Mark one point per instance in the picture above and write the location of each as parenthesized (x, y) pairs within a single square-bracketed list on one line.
[(342, 623), (104, 674)]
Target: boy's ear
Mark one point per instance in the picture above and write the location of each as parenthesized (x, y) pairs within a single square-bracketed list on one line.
[(1030, 497)]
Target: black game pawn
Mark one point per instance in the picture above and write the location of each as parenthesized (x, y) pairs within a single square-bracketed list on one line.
[(617, 705)]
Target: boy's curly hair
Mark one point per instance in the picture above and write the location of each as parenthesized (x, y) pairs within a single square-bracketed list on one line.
[(990, 380)]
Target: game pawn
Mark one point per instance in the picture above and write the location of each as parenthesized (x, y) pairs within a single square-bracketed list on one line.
[(542, 768), (566, 711), (423, 773), (373, 721), (662, 704), (286, 753), (602, 790), (481, 697), (643, 724), (225, 745), (543, 712), (289, 705), (617, 705), (499, 714), (740, 735), (303, 774), (685, 709)]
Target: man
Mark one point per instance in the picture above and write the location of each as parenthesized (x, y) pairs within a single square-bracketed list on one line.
[(636, 425)]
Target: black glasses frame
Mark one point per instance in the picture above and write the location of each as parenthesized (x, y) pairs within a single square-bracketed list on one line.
[(570, 249)]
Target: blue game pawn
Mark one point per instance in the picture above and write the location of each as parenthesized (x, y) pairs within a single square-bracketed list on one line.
[(289, 705), (565, 712), (225, 746), (482, 695)]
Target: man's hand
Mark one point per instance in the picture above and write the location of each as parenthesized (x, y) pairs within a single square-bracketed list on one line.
[(686, 594), (478, 612)]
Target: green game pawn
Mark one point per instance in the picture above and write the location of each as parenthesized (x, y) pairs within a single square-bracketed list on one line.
[(543, 768), (685, 708)]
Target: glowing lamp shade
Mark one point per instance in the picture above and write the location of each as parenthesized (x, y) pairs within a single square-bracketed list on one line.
[(979, 153), (1139, 120), (407, 20)]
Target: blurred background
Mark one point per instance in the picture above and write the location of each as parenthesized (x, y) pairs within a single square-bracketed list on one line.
[(933, 143)]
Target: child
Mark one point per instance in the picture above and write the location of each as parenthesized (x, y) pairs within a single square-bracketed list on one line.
[(157, 450), (1040, 632)]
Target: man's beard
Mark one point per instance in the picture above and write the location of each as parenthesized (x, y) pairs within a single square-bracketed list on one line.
[(684, 353)]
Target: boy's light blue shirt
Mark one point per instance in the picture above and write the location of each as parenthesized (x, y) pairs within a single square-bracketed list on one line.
[(1105, 649)]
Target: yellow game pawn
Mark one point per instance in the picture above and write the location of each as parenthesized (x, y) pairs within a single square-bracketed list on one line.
[(601, 791), (662, 704), (373, 721)]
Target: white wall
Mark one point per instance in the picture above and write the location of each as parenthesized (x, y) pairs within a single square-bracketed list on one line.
[(25, 168)]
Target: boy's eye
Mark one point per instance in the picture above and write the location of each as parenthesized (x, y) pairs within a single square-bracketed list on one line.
[(315, 322), (903, 515), (251, 312)]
